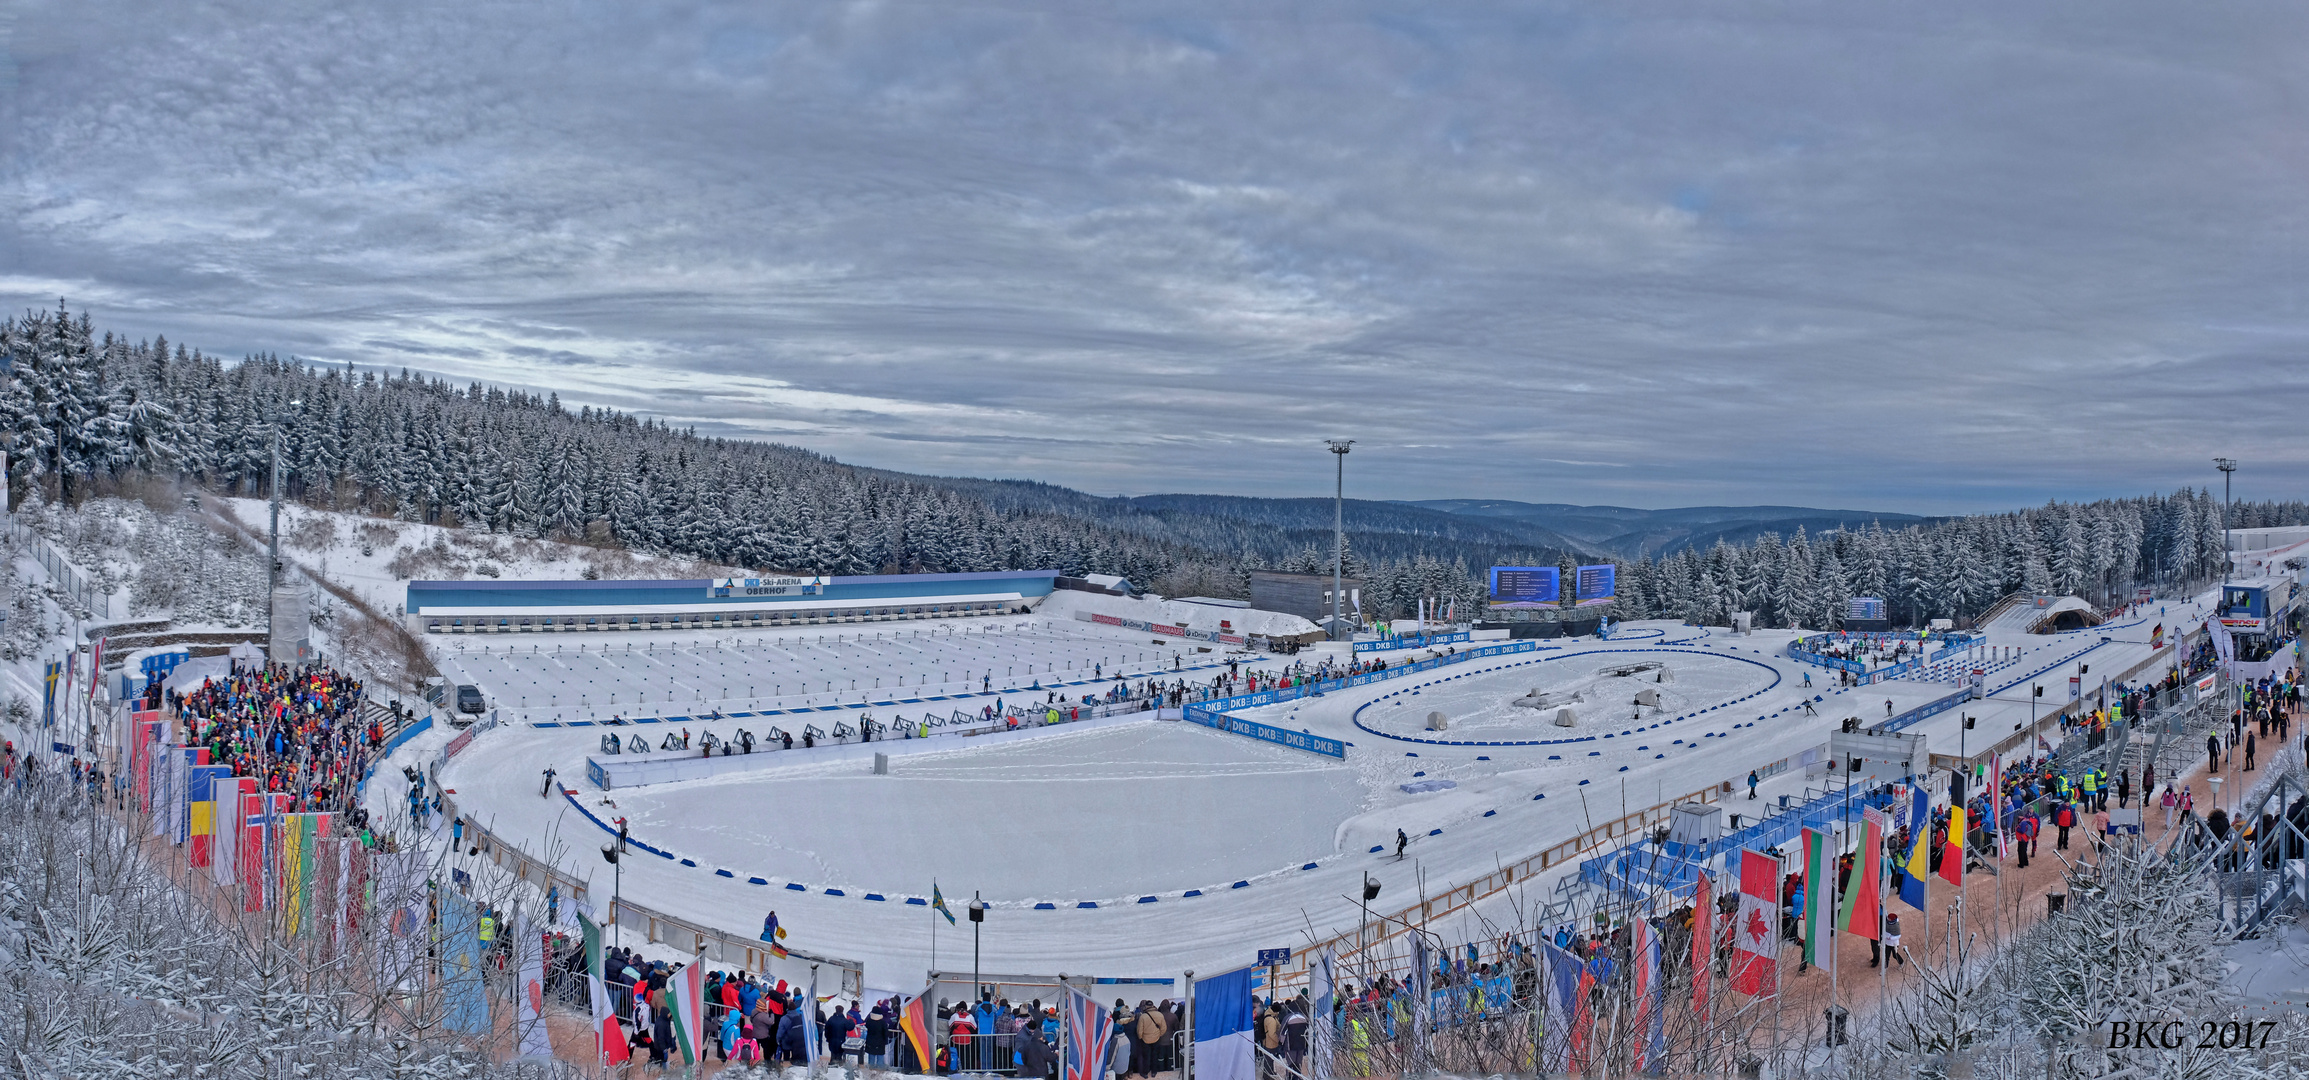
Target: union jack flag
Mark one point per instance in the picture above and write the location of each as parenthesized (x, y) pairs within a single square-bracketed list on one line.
[(1088, 1030)]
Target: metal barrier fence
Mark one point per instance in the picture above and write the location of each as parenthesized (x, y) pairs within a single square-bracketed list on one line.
[(741, 951), (66, 577)]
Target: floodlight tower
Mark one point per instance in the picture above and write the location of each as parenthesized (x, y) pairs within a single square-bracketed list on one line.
[(2228, 467), (1339, 532)]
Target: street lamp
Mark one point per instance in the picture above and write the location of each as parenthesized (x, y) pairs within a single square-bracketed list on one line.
[(616, 888), (977, 919), (1338, 530)]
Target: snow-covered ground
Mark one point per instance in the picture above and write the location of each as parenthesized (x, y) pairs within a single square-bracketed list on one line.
[(574, 676), (1143, 808)]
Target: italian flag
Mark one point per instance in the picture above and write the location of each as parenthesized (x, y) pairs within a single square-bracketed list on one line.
[(606, 1029)]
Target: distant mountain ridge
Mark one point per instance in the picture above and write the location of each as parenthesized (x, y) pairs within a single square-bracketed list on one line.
[(1627, 532)]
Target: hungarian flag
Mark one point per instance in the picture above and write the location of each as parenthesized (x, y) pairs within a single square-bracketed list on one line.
[(1919, 860), (1755, 971), (611, 1037), (1703, 945), (1862, 911), (1952, 860), (1819, 893)]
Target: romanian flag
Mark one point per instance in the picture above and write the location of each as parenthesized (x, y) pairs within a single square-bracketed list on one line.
[(1919, 862), (206, 782), (1819, 892), (1952, 860), (1862, 911)]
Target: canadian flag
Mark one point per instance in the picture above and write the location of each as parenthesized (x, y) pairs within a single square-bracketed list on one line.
[(1756, 936)]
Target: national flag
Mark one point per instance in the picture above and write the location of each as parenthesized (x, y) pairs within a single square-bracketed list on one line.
[(938, 904), (686, 994), (1819, 893), (202, 792), (1651, 997), (532, 1041), (773, 933), (299, 847), (1952, 859), (609, 1036), (1862, 910), (812, 1034), (1703, 945), (1919, 861), (1088, 1029), (96, 665), (1563, 1001), (914, 1020), (1995, 807), (605, 1028), (1755, 972), (224, 856)]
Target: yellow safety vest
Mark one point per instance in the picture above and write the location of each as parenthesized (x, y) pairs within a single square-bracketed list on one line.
[(488, 929)]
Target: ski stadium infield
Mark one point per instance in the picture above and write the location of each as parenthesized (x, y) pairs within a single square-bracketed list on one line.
[(1129, 846)]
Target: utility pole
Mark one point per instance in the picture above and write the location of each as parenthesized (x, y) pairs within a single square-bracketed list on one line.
[(1338, 531)]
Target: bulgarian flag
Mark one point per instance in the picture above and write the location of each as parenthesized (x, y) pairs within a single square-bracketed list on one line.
[(610, 1036), (1952, 860), (1756, 935), (687, 997), (1819, 889), (1862, 911)]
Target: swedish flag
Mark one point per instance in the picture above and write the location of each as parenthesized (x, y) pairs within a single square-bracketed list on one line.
[(938, 904)]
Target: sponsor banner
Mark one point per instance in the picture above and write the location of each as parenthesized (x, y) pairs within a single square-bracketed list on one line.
[(1296, 740), (1165, 629), (2243, 623), (1415, 641)]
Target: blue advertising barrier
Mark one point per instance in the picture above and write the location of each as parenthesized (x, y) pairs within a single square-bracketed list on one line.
[(1296, 740), (424, 723), (1415, 641)]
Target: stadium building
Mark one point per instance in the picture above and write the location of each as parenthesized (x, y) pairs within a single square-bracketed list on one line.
[(500, 607)]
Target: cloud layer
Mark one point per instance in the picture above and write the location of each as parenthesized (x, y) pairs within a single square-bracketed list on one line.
[(1927, 258)]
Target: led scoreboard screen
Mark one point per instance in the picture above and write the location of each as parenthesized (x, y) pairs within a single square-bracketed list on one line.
[(1526, 586)]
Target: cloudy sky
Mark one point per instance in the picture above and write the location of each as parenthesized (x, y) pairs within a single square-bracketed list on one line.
[(1918, 257)]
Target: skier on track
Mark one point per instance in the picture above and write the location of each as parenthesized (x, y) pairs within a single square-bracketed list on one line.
[(1401, 841), (548, 792)]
